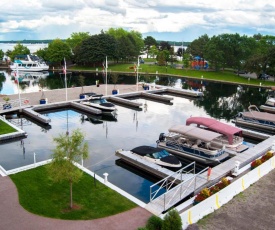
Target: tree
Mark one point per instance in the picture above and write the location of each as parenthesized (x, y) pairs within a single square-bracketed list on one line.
[(262, 59), (76, 39), (197, 47), (94, 49), (17, 50), (149, 41), (153, 51), (172, 220), (43, 53), (69, 149), (1, 54), (58, 50), (164, 46)]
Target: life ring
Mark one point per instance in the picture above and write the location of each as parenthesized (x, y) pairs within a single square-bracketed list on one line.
[(26, 101)]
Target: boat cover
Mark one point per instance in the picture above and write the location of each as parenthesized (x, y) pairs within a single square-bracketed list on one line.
[(195, 132), (259, 115), (144, 149), (216, 126)]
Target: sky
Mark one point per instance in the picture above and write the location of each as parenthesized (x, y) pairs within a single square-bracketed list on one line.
[(166, 20)]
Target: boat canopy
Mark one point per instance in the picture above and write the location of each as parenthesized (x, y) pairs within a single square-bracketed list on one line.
[(216, 126), (194, 132), (259, 115)]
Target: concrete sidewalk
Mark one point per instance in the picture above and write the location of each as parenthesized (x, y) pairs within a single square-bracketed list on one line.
[(13, 216)]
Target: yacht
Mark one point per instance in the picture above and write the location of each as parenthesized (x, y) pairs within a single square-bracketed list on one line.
[(28, 63)]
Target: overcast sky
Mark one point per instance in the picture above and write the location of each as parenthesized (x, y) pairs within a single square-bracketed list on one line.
[(168, 20)]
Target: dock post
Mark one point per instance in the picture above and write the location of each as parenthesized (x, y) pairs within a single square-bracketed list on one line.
[(105, 177), (236, 168), (34, 159)]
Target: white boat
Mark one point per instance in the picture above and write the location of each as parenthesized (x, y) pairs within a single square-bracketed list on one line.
[(232, 136), (98, 102), (155, 155), (28, 63), (194, 143)]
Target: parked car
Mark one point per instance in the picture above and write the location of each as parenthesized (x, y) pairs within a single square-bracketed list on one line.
[(263, 76)]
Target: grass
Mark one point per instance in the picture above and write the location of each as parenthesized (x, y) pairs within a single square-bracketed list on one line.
[(39, 195), (5, 128), (223, 76)]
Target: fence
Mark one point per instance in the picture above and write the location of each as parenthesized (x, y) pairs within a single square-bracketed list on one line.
[(195, 213)]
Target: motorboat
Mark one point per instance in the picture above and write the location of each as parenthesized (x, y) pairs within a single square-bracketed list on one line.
[(269, 105), (257, 120), (98, 102), (193, 143), (232, 136), (155, 155), (28, 63)]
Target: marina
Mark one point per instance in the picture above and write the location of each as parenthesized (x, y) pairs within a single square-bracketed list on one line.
[(135, 122)]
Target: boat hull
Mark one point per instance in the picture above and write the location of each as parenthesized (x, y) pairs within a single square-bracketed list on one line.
[(184, 152)]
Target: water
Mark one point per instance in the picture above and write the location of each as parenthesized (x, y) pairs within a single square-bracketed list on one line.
[(129, 129)]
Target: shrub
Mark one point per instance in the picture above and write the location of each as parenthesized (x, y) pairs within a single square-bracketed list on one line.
[(154, 223), (205, 193), (263, 159), (142, 228), (256, 163), (172, 221), (214, 189)]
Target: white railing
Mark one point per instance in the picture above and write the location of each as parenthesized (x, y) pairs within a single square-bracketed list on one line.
[(176, 192)]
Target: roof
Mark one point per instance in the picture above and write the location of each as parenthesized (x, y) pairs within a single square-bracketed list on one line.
[(216, 126), (194, 132)]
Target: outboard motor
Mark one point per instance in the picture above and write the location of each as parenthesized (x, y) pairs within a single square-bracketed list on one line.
[(161, 137)]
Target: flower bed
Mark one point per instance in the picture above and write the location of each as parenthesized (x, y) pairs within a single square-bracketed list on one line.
[(207, 192), (261, 160)]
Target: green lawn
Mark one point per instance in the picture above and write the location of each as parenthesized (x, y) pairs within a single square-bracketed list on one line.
[(5, 128), (223, 76), (39, 195)]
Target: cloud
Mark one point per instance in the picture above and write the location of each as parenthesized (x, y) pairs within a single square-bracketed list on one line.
[(48, 19)]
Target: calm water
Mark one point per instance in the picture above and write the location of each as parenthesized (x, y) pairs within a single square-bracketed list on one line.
[(128, 129)]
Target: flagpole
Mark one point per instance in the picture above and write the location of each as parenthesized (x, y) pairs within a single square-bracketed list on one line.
[(106, 76), (65, 71), (19, 96), (137, 72)]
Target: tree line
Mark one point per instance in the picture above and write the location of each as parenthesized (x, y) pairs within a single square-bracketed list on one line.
[(253, 54)]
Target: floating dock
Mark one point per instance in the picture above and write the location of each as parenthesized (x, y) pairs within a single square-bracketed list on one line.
[(149, 167)]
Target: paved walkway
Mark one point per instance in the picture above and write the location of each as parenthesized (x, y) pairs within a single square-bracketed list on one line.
[(58, 95), (13, 216)]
